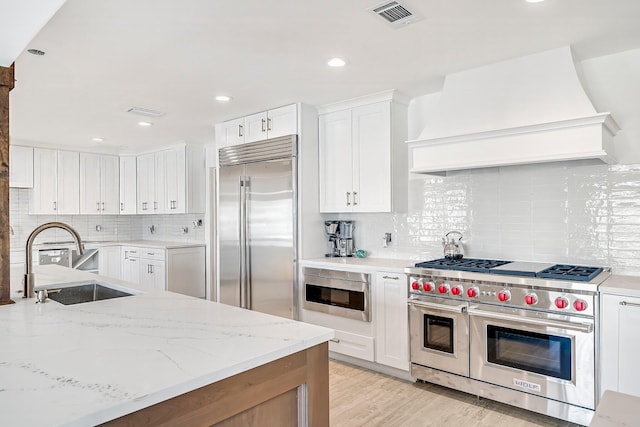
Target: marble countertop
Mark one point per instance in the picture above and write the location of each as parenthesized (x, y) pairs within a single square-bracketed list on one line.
[(361, 265), (85, 364), (621, 285)]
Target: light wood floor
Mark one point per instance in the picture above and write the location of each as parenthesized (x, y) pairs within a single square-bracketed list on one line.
[(359, 397)]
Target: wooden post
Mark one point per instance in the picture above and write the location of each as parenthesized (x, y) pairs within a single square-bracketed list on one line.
[(6, 84)]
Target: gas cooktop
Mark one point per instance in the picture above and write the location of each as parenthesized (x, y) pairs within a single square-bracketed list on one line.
[(515, 268)]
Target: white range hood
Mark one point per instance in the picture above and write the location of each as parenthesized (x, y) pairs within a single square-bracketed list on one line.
[(526, 110)]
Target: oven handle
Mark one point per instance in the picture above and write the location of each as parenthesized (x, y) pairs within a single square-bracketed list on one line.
[(580, 327), (455, 309)]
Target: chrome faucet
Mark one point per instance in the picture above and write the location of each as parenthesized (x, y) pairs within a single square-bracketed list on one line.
[(28, 267)]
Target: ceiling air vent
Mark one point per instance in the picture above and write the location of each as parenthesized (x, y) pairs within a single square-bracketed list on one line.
[(393, 13), (145, 112)]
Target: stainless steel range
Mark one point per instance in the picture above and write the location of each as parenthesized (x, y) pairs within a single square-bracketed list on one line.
[(517, 332)]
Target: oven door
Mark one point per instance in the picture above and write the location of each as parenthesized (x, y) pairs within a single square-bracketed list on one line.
[(439, 334), (547, 355)]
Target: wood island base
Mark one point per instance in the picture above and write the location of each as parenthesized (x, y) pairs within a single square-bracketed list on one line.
[(271, 394)]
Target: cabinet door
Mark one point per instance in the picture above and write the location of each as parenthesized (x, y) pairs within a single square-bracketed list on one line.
[(45, 183), (110, 262), (20, 166), (282, 121), (186, 271), (109, 185), (371, 138), (152, 274), (391, 318), (255, 127), (620, 344), (130, 267), (145, 183), (161, 202), (68, 183), (232, 133), (336, 162), (90, 184), (175, 168), (128, 183)]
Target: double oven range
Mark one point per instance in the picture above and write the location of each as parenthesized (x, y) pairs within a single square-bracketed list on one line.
[(520, 333)]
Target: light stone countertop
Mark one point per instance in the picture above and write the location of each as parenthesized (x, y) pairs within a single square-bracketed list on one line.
[(359, 265), (86, 364), (621, 285)]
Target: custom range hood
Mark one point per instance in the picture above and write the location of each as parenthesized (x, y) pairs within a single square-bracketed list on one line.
[(526, 110)]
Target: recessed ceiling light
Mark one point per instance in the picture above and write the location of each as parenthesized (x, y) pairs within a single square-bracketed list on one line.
[(223, 98), (336, 62), (36, 52), (97, 139), (534, 1), (145, 124)]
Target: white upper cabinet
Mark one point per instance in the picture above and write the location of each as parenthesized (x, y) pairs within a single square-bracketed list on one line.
[(258, 127), (128, 179), (20, 166), (363, 158), (172, 181), (99, 184), (55, 182)]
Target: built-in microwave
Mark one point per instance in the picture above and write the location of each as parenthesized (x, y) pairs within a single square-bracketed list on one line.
[(340, 293)]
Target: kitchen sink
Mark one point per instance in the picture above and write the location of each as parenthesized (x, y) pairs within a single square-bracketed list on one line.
[(87, 292)]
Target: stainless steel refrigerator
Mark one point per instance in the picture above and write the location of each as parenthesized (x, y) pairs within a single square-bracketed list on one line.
[(257, 226)]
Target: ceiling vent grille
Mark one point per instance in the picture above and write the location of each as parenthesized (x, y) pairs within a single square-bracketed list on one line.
[(393, 13), (145, 112)]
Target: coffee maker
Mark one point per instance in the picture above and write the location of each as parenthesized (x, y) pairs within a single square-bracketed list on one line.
[(340, 235)]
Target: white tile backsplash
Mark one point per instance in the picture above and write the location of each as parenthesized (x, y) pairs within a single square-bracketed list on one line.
[(567, 212), (98, 227)]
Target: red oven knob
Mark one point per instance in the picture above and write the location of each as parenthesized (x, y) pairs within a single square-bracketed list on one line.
[(562, 302), (456, 290), (443, 289), (531, 299), (504, 296), (580, 305), (415, 286), (427, 286), (472, 292)]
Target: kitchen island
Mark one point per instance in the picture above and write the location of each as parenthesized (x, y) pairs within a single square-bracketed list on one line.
[(156, 358)]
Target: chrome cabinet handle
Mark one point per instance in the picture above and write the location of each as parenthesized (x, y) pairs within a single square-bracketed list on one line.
[(102, 205), (269, 124), (355, 200), (348, 198), (144, 206), (629, 304), (264, 128), (121, 206), (155, 206), (98, 206), (335, 340), (390, 277), (55, 206), (240, 131)]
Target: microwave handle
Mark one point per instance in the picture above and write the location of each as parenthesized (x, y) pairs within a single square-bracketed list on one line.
[(451, 308), (586, 328)]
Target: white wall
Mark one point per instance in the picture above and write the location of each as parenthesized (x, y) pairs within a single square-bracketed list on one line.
[(574, 212)]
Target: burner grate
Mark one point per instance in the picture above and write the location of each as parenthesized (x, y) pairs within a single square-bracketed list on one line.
[(465, 264), (570, 272)]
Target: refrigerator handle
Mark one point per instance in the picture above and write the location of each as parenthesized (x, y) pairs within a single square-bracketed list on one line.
[(242, 246), (247, 246)]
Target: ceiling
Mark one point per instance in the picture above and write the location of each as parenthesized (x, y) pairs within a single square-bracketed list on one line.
[(104, 56)]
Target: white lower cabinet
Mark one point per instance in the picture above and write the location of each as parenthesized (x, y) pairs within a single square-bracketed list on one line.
[(391, 318), (620, 344), (354, 345), (109, 262), (180, 270)]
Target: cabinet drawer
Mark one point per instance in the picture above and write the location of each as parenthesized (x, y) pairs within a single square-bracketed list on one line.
[(149, 253), (353, 345)]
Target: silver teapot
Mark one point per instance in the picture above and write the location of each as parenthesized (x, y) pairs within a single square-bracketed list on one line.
[(452, 246)]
